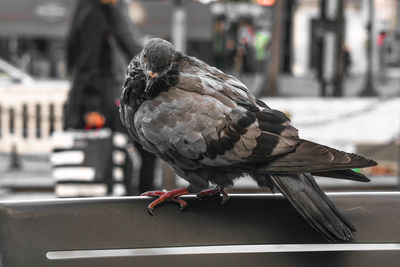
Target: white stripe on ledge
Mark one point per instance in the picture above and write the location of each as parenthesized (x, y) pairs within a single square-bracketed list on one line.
[(271, 248), (80, 190), (118, 157), (67, 157)]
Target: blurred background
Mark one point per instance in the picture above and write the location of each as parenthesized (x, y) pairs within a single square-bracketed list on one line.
[(332, 66)]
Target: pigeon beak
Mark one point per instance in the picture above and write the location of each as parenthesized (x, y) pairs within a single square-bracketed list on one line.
[(152, 74), (149, 84), (151, 78)]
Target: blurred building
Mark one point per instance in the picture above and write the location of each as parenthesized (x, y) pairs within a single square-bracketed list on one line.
[(32, 33), (355, 28)]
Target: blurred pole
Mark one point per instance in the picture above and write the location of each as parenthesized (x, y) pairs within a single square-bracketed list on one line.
[(4, 51), (15, 162), (321, 50), (288, 37), (178, 27), (398, 162), (338, 80), (369, 89), (270, 87)]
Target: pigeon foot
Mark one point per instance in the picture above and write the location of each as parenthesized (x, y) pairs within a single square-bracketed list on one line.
[(169, 196), (217, 191)]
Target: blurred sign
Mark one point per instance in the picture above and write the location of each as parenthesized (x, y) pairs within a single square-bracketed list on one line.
[(137, 12), (154, 18), (237, 9), (46, 18), (51, 11), (51, 18)]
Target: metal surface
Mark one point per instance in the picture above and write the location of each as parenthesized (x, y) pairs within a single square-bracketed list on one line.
[(248, 230)]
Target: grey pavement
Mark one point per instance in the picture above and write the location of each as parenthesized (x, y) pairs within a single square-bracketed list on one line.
[(352, 86)]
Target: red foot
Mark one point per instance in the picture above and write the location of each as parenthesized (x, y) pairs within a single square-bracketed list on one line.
[(170, 196), (217, 191)]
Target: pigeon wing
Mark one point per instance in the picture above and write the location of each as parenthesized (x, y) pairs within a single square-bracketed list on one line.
[(197, 76), (200, 129)]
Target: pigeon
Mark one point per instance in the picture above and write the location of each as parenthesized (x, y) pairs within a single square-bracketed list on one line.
[(212, 130)]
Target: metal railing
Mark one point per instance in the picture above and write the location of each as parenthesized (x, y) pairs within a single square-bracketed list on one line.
[(28, 116)]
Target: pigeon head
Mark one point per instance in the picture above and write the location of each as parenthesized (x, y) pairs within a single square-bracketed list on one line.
[(156, 60)]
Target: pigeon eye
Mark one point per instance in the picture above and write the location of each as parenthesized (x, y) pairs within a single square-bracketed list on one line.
[(144, 56)]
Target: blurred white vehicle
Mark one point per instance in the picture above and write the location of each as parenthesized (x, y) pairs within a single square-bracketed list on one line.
[(10, 75)]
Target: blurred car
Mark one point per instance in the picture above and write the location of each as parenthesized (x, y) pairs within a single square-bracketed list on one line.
[(11, 76)]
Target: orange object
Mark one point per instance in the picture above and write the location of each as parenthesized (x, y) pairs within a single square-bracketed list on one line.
[(94, 120), (108, 2), (266, 2)]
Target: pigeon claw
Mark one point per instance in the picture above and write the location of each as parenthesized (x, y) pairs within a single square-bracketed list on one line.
[(150, 210), (217, 191), (166, 196), (153, 193), (182, 203)]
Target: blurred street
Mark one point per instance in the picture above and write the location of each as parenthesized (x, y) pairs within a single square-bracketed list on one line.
[(34, 179)]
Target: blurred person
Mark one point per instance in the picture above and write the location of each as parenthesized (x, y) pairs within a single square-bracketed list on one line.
[(382, 44), (100, 29), (219, 42), (346, 60), (245, 46), (262, 41)]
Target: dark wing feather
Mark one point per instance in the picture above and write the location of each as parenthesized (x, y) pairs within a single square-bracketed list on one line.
[(135, 83), (344, 174), (312, 157)]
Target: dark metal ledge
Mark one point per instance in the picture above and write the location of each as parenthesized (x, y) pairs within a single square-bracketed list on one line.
[(255, 230)]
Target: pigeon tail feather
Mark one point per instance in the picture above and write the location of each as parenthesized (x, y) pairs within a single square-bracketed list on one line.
[(317, 209)]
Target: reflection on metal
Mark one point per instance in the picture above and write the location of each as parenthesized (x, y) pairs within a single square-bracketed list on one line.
[(272, 248), (268, 195)]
